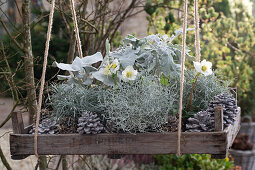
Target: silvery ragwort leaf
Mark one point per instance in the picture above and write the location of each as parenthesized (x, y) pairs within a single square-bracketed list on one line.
[(107, 47), (80, 70), (130, 39), (75, 66), (89, 60), (177, 33), (79, 63), (126, 56), (63, 77)]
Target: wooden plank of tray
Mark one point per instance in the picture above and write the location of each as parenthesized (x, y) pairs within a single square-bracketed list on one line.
[(144, 143), (232, 130), (147, 143)]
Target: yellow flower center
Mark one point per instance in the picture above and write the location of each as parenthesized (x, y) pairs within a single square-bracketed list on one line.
[(204, 68), (114, 65), (107, 70), (129, 74)]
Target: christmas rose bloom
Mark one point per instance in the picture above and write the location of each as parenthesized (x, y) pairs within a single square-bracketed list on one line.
[(129, 73), (204, 67), (111, 68)]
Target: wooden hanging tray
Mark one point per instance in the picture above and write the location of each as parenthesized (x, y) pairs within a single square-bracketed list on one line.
[(215, 143)]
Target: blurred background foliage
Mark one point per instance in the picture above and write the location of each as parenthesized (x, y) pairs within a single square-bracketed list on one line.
[(227, 38), (192, 161)]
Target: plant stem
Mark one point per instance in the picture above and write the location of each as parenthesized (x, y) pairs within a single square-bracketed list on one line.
[(6, 164), (189, 104), (64, 163), (114, 76), (42, 162)]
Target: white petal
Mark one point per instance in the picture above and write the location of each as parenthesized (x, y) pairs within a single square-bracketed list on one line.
[(208, 65), (135, 72), (197, 66), (116, 61), (203, 62), (207, 73), (129, 68)]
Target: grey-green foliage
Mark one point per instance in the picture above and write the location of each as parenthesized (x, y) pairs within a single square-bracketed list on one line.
[(71, 100), (154, 54), (80, 70), (139, 106), (205, 89)]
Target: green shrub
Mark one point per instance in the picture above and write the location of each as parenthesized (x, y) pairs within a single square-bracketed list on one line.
[(70, 101), (138, 106), (192, 161)]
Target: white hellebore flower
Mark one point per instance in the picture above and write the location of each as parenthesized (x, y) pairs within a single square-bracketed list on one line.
[(204, 67), (111, 68), (115, 66), (106, 70), (129, 73)]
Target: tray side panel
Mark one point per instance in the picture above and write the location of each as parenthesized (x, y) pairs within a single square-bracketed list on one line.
[(148, 143), (233, 130)]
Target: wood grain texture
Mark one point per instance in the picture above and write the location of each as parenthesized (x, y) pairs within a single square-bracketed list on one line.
[(216, 143), (218, 119), (232, 130), (148, 143), (17, 123)]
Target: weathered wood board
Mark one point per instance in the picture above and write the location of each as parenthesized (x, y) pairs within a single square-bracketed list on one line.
[(216, 143)]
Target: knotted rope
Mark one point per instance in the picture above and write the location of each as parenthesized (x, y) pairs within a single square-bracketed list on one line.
[(39, 105), (77, 36), (184, 28)]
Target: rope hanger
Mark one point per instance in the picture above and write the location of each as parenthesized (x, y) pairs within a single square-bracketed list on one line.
[(77, 36), (39, 105), (197, 46), (184, 28)]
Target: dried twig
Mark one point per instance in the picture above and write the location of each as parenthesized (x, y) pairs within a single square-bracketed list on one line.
[(4, 160), (9, 34)]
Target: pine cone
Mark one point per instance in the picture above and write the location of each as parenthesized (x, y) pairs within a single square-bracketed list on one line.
[(46, 126), (204, 120), (44, 115), (229, 105), (200, 122), (171, 125), (89, 123)]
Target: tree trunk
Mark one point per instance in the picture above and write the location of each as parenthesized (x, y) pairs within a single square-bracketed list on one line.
[(71, 51), (28, 60), (29, 70)]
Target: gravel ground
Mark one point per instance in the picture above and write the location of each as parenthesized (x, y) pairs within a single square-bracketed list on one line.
[(26, 164)]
